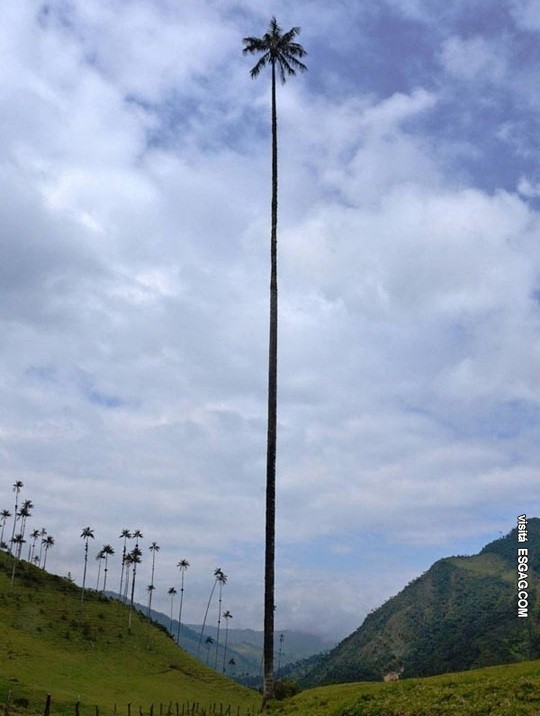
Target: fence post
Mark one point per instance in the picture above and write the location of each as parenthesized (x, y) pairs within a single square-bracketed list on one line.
[(47, 710), (77, 706), (129, 708)]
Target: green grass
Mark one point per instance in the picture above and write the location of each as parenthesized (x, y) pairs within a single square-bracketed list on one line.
[(50, 645), (494, 691)]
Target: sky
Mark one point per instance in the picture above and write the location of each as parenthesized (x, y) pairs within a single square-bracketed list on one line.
[(134, 226)]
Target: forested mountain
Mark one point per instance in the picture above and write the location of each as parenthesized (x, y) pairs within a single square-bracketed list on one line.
[(460, 614)]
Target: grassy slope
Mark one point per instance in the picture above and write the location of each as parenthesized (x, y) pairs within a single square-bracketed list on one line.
[(49, 646), (497, 691)]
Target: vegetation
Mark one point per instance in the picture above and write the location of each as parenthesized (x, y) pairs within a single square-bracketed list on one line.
[(48, 647), (494, 691), (281, 52), (461, 614)]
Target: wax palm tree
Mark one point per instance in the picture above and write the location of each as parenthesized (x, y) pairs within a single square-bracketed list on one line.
[(217, 573), (24, 514), (48, 542), (137, 536), (125, 535), (136, 555), (18, 540), (108, 551), (208, 641), (17, 487), (32, 547), (222, 581), (280, 652), (128, 561), (226, 615), (183, 566), (154, 548), (42, 533), (172, 593), (3, 518), (86, 534), (99, 558), (282, 53)]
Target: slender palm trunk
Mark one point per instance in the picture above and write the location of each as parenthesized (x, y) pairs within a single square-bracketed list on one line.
[(218, 626), (180, 613), (226, 641), (84, 572), (171, 617), (269, 567), (105, 573), (205, 617), (45, 557)]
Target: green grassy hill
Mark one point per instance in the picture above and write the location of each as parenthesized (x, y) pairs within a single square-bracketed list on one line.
[(461, 614), (50, 644), (495, 691)]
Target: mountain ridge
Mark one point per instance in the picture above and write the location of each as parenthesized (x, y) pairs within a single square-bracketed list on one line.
[(460, 614)]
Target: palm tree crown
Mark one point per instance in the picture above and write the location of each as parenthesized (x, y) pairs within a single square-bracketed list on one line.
[(278, 50)]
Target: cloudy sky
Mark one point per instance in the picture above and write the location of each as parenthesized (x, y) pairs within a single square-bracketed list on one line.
[(135, 176)]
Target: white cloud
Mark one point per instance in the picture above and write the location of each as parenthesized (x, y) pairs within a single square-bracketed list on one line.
[(134, 305)]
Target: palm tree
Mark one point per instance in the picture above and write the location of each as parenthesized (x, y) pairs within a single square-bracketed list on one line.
[(107, 551), (281, 52), (135, 555), (183, 566), (42, 533), (217, 573), (138, 535), (32, 547), (226, 615), (280, 652), (128, 561), (154, 547), (99, 557), (48, 542), (86, 534), (17, 486), (19, 541), (208, 641), (171, 592), (24, 513), (3, 517), (222, 581), (125, 534)]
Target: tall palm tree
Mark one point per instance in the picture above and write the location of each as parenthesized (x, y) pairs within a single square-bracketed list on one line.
[(32, 547), (18, 540), (125, 535), (17, 487), (137, 534), (86, 534), (42, 533), (208, 641), (48, 542), (282, 53), (222, 581), (107, 551), (24, 514), (128, 561), (135, 555), (226, 615), (183, 566), (154, 547), (3, 517), (217, 573), (100, 558), (172, 593)]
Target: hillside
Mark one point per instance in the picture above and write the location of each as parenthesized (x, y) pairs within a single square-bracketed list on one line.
[(461, 614), (51, 643), (244, 646)]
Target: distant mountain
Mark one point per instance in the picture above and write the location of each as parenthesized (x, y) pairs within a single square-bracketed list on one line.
[(244, 646), (461, 614)]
